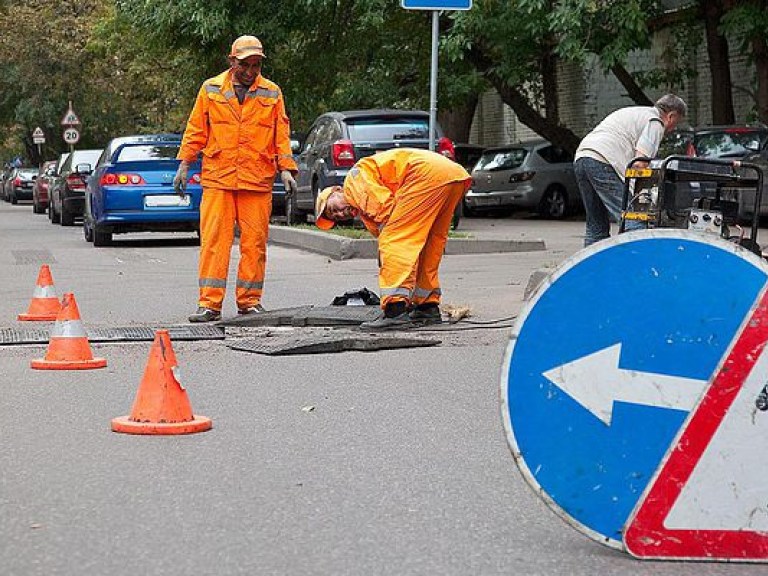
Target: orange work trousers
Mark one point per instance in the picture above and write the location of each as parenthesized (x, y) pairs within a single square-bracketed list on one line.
[(412, 243), (219, 211)]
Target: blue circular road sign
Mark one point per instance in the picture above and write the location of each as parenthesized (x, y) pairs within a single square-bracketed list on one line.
[(608, 358)]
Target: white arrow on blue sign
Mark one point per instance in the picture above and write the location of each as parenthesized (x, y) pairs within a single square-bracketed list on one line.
[(436, 4), (606, 361)]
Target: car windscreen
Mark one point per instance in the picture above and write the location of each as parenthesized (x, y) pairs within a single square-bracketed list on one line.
[(146, 152), (28, 173), (731, 143), (502, 159), (384, 129)]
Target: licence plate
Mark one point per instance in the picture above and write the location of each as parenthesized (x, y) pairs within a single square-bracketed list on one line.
[(491, 201), (167, 201)]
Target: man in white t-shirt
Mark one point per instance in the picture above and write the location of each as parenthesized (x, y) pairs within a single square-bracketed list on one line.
[(604, 155)]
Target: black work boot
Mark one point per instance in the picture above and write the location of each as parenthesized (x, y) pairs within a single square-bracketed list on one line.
[(394, 317), (424, 314), (205, 315)]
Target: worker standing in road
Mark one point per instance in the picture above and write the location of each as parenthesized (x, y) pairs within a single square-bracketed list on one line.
[(603, 155), (406, 198), (239, 123)]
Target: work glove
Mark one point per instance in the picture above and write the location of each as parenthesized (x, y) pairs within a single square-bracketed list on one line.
[(180, 180), (288, 182)]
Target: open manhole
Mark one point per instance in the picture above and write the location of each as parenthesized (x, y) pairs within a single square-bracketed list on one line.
[(308, 316)]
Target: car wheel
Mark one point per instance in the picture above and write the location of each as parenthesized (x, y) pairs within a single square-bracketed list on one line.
[(55, 217), (87, 231), (101, 237), (554, 203), (36, 208), (14, 200), (66, 217)]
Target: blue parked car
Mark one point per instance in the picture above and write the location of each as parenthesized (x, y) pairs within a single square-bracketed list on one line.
[(131, 190)]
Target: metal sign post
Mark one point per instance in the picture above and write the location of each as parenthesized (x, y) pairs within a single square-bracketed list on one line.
[(70, 121), (435, 6), (38, 137)]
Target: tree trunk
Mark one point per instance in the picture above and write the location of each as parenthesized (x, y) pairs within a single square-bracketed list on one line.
[(719, 64), (633, 89), (457, 122), (760, 55), (544, 126)]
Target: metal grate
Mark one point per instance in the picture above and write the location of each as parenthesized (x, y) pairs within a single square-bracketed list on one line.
[(33, 257), (328, 343), (127, 334)]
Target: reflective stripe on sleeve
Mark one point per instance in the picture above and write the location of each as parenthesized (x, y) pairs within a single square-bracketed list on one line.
[(212, 89)]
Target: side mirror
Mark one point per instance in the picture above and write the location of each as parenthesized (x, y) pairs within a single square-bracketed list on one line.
[(83, 169), (752, 146), (295, 146)]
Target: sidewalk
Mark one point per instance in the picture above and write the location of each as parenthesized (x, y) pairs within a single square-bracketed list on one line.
[(486, 236)]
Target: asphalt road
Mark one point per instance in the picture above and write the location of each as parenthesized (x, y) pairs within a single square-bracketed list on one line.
[(400, 468)]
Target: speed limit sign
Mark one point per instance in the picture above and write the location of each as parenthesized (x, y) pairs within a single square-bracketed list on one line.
[(71, 136)]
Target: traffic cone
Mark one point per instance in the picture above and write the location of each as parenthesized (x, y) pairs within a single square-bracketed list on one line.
[(45, 304), (161, 405), (68, 347)]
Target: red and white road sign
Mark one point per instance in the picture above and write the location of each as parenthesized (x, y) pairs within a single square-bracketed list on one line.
[(709, 498)]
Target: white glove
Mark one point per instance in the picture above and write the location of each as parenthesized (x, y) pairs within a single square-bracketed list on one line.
[(180, 180), (288, 182)]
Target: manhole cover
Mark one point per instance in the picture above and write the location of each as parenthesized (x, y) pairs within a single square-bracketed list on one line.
[(308, 316)]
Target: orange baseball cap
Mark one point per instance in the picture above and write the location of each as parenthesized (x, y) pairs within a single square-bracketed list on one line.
[(247, 46), (322, 199)]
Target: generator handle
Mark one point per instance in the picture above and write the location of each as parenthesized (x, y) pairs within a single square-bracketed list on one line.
[(625, 199), (758, 194), (733, 164)]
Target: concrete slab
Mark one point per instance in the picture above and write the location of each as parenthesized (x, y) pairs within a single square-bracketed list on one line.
[(327, 342), (341, 248)]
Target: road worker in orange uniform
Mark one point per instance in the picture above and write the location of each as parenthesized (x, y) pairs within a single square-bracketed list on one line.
[(405, 197), (240, 125)]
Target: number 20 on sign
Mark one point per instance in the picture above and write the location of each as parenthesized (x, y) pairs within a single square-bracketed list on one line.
[(71, 136)]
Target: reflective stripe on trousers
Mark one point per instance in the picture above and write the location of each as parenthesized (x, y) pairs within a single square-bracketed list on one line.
[(412, 243), (219, 211)]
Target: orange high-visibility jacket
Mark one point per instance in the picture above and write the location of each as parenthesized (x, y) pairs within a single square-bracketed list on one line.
[(242, 146), (375, 182)]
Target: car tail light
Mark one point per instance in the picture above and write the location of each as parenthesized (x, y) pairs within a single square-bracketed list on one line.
[(445, 147), (343, 153), (690, 150), (17, 181), (75, 182), (522, 176), (119, 179), (194, 179)]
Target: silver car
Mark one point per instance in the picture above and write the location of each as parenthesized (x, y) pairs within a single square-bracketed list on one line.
[(533, 175)]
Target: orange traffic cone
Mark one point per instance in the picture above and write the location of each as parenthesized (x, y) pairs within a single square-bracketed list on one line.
[(161, 405), (45, 304), (68, 347)]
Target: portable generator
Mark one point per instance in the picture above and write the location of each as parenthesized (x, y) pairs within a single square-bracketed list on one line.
[(701, 194)]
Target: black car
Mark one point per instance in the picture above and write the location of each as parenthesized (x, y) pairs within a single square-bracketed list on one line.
[(67, 191), (336, 140), (20, 183)]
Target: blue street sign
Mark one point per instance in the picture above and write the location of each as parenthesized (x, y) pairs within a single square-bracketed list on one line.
[(436, 4), (608, 358)]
